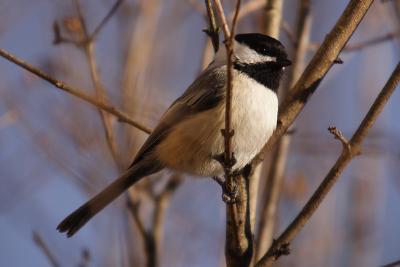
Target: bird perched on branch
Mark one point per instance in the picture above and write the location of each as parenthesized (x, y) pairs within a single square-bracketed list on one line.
[(188, 136)]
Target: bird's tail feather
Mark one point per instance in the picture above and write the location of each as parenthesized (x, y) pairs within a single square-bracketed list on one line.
[(83, 214)]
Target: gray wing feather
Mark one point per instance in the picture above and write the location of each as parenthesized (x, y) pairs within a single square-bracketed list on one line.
[(203, 94)]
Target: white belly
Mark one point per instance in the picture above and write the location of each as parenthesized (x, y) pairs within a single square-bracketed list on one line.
[(191, 144)]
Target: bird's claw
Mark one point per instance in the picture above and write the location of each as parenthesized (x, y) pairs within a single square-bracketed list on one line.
[(229, 190)]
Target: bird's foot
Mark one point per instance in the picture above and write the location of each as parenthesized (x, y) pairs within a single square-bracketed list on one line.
[(229, 189)]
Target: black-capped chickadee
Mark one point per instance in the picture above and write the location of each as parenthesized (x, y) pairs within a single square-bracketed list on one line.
[(188, 136)]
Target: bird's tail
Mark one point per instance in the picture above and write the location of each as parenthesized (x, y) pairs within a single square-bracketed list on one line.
[(83, 214)]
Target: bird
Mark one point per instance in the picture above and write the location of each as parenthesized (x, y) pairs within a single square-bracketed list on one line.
[(188, 138)]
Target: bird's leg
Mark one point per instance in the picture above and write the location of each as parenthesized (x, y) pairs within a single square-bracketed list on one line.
[(230, 191), (229, 188)]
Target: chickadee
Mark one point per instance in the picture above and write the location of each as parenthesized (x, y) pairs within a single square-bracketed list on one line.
[(188, 136)]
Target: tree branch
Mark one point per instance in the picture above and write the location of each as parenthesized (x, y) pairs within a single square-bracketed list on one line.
[(104, 21), (152, 237), (239, 237), (273, 16), (316, 70), (45, 249), (350, 150), (213, 29), (88, 43), (123, 117), (366, 44)]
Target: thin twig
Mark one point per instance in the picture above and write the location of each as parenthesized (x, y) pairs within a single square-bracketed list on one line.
[(248, 8), (375, 41), (239, 237), (45, 249), (104, 21), (123, 117), (152, 237), (333, 175), (366, 44), (88, 44), (339, 135)]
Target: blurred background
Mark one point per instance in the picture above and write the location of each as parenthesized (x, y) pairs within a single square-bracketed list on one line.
[(55, 152)]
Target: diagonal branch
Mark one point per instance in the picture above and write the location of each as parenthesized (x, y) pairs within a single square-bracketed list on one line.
[(104, 21), (316, 70), (350, 150), (123, 117), (37, 238), (88, 44)]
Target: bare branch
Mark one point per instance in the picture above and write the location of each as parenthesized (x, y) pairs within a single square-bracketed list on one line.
[(273, 16), (45, 249), (248, 8), (123, 117), (104, 21), (152, 238), (333, 175), (239, 237), (213, 29), (339, 135), (317, 69), (88, 44), (366, 44)]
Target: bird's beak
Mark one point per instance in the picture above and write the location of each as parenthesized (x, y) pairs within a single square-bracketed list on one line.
[(284, 62)]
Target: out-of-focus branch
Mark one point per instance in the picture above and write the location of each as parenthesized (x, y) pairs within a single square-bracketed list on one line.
[(316, 70), (104, 21), (272, 17), (366, 44), (152, 237), (123, 117), (273, 184), (375, 41), (87, 42), (392, 264), (85, 258), (248, 8), (37, 238), (351, 149), (213, 30)]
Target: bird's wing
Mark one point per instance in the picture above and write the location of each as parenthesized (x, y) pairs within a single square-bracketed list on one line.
[(203, 94)]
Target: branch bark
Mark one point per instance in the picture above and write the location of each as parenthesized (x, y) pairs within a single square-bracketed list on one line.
[(239, 236), (123, 117), (152, 237), (273, 17), (316, 70), (351, 149)]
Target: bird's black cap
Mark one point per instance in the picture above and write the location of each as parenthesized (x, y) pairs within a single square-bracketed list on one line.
[(264, 45)]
